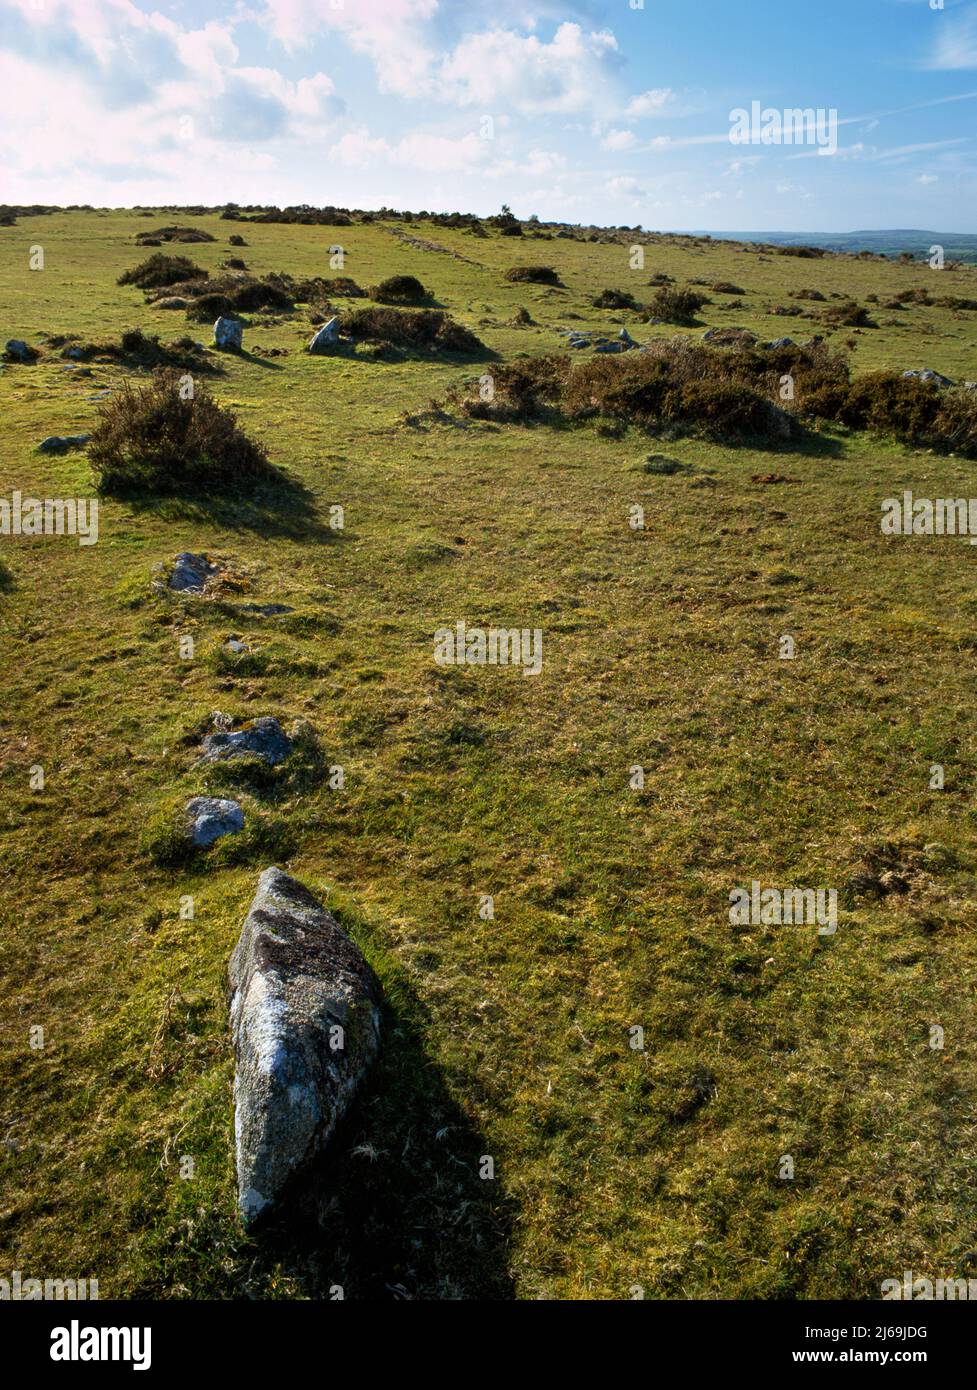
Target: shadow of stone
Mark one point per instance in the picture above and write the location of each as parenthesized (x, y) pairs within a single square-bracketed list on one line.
[(397, 1209), (258, 361)]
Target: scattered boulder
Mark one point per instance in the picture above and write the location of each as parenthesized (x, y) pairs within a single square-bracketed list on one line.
[(16, 350), (211, 817), (266, 610), (305, 1022), (228, 334), (191, 573), (929, 375), (59, 444), (172, 301), (263, 737), (327, 338)]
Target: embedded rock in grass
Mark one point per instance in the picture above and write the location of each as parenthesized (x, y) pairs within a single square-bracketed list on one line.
[(327, 337), (228, 334), (211, 817), (305, 1022), (929, 375), (16, 350), (263, 737), (266, 610), (191, 573), (58, 444)]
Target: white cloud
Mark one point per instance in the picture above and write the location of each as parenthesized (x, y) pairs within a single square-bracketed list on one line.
[(651, 103), (624, 185), (956, 42), (501, 68), (618, 140), (418, 150)]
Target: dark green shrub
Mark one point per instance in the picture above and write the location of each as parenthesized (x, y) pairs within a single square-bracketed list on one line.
[(173, 233), (523, 390), (209, 307), (400, 289), (676, 306), (849, 315), (152, 440), (533, 275), (414, 328), (614, 299), (892, 404), (159, 271), (955, 427)]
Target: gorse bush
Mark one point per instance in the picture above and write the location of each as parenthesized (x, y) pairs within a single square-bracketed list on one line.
[(152, 440), (676, 306), (411, 328), (727, 394), (614, 299), (533, 275), (138, 349), (668, 385), (173, 233), (849, 315), (400, 289), (159, 271)]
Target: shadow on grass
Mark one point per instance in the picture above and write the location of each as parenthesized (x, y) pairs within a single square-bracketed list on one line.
[(258, 361), (397, 1209), (284, 507)]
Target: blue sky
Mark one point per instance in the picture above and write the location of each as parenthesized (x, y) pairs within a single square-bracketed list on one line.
[(612, 112)]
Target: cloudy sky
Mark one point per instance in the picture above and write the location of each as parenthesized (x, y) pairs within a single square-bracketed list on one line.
[(608, 111)]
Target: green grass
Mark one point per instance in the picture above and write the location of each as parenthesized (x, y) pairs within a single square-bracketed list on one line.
[(507, 1037)]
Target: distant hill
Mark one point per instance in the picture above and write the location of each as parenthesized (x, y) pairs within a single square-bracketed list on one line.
[(960, 246)]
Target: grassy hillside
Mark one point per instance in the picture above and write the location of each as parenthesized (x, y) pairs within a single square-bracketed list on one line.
[(510, 1037)]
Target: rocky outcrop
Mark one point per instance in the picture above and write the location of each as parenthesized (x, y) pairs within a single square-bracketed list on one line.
[(61, 443), (305, 1022), (927, 374), (191, 573), (211, 817), (327, 338), (263, 737), (229, 334), (16, 350)]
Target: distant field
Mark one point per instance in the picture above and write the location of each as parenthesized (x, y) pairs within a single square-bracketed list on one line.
[(895, 243), (615, 1167)]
